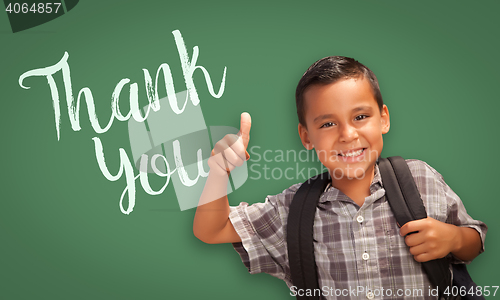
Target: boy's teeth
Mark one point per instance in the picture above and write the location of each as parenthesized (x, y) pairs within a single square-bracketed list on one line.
[(351, 154)]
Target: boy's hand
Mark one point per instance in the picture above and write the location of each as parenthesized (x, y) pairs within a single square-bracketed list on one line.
[(430, 238), (230, 151)]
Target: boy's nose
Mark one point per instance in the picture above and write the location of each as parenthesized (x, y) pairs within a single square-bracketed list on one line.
[(348, 134)]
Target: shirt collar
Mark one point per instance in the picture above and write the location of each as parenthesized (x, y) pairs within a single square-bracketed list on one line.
[(332, 193)]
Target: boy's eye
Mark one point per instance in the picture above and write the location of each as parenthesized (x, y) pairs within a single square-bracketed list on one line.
[(328, 124), (360, 117)]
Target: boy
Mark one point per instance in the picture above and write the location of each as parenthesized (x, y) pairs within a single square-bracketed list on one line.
[(358, 245)]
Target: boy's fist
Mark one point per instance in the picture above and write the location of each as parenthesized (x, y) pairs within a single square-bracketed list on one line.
[(230, 151), (430, 238)]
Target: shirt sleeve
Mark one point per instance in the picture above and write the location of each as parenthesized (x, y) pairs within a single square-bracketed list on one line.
[(451, 210), (262, 229)]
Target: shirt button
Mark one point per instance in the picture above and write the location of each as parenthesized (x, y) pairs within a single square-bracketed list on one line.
[(360, 219), (370, 295), (366, 256)]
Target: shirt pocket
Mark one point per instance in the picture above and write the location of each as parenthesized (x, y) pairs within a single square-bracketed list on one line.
[(397, 242)]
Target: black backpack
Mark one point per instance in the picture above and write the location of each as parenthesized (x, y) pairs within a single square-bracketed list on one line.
[(406, 204)]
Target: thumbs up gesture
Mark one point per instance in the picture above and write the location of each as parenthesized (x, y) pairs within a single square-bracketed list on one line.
[(230, 151)]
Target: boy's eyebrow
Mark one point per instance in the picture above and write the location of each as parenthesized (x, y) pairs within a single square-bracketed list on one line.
[(322, 117), (355, 110), (361, 108)]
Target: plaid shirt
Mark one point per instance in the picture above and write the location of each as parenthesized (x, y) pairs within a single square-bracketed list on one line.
[(359, 252)]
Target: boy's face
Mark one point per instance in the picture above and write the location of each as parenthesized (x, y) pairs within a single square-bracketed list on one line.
[(345, 126)]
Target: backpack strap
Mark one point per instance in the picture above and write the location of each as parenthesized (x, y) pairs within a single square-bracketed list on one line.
[(406, 204), (300, 234)]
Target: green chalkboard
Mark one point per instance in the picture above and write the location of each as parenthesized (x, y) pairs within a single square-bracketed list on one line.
[(65, 233)]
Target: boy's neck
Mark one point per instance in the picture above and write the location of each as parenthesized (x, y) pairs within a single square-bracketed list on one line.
[(356, 189)]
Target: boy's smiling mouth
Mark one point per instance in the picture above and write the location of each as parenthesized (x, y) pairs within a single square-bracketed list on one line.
[(352, 153), (352, 156)]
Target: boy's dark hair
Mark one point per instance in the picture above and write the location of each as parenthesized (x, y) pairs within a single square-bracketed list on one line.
[(329, 70)]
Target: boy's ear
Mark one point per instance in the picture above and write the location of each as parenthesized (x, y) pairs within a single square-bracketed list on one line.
[(304, 137), (386, 122)]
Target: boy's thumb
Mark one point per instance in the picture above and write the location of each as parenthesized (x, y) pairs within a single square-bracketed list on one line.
[(245, 124)]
